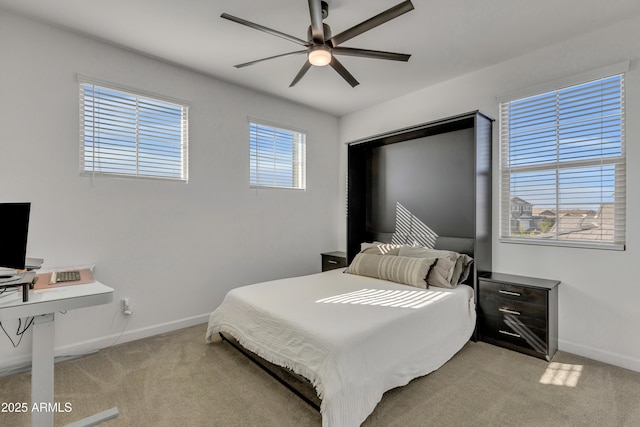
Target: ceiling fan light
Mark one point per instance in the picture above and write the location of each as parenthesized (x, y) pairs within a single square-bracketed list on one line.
[(320, 55)]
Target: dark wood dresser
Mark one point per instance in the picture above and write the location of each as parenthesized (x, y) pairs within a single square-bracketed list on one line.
[(519, 313), (333, 260)]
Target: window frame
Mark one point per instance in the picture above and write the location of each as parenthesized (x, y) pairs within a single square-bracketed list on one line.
[(88, 139), (298, 161), (619, 173)]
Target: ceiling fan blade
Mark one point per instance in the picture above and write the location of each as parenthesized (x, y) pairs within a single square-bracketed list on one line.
[(246, 64), (264, 29), (387, 15), (317, 30), (375, 54), (337, 65), (301, 73)]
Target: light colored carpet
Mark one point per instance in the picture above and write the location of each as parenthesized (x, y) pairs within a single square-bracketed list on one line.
[(176, 379)]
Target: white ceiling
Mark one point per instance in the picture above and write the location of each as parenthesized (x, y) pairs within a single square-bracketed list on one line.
[(446, 38)]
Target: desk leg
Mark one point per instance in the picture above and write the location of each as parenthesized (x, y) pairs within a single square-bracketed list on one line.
[(42, 369)]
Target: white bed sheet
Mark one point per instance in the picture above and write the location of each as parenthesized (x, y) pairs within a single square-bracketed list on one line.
[(353, 337)]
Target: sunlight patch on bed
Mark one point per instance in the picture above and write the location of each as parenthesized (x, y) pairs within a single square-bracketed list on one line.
[(562, 374), (387, 298)]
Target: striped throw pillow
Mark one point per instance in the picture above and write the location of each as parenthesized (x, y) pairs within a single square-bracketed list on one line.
[(399, 269)]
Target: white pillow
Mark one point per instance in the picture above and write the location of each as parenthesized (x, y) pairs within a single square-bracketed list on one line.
[(379, 248)]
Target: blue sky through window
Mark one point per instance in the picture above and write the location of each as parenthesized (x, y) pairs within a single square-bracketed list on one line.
[(132, 135), (561, 144), (276, 157)]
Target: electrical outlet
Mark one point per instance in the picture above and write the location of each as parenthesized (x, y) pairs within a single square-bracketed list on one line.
[(124, 305)]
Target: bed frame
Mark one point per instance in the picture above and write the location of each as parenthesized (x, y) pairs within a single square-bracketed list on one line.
[(284, 376), (440, 175)]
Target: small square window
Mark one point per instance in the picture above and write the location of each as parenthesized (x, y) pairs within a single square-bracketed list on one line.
[(276, 157)]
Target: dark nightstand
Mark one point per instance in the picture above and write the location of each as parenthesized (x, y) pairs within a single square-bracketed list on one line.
[(333, 260), (519, 313)]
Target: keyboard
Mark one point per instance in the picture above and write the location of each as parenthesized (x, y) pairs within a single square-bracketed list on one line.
[(64, 276)]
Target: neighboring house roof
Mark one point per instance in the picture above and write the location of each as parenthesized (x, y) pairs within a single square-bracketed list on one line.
[(589, 225), (580, 211), (544, 212), (519, 201)]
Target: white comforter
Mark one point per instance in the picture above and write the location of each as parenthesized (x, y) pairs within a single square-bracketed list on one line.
[(353, 337)]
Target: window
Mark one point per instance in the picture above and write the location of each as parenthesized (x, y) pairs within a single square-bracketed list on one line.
[(276, 157), (562, 166), (128, 134)]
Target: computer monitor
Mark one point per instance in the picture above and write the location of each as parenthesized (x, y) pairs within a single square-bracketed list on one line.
[(14, 226)]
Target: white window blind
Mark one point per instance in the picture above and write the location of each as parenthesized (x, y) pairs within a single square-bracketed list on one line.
[(562, 166), (128, 134), (276, 157)]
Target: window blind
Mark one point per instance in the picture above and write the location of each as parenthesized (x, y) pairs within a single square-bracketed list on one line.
[(276, 157), (563, 168), (128, 134)]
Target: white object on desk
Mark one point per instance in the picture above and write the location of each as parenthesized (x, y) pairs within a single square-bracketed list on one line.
[(6, 280), (8, 271), (42, 305)]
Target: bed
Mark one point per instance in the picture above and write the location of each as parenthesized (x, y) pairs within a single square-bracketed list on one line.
[(352, 336), (356, 335)]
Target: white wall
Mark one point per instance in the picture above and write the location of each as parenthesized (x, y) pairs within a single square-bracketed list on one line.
[(599, 294), (174, 249)]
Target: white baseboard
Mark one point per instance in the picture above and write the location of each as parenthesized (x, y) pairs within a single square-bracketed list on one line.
[(600, 355), (23, 363), (20, 364)]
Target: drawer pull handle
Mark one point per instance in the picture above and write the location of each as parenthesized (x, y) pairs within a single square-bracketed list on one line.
[(331, 261), (515, 294), (511, 334), (506, 310)]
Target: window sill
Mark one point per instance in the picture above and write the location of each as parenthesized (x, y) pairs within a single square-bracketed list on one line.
[(268, 187), (561, 243), (130, 176)]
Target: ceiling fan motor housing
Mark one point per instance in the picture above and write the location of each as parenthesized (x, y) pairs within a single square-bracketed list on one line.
[(325, 28)]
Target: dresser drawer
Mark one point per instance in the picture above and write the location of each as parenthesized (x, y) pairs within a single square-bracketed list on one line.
[(333, 260), (512, 292), (512, 332), (532, 314)]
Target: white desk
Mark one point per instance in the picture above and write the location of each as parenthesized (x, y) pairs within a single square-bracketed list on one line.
[(43, 304)]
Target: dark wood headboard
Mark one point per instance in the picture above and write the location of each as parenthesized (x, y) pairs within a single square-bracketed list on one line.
[(438, 173)]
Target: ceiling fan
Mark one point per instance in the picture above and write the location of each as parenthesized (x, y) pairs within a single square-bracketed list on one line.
[(321, 47)]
